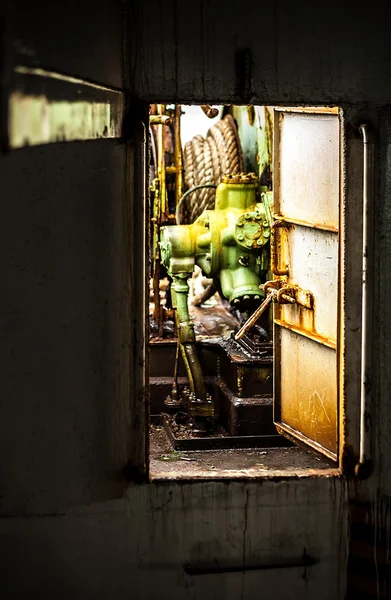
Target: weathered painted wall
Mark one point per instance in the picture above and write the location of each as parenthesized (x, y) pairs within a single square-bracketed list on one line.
[(266, 53), (261, 52), (137, 547), (382, 324)]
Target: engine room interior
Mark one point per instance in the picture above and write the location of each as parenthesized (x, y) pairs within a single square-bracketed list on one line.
[(221, 284)]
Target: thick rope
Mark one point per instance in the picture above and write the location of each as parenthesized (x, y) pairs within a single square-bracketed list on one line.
[(188, 177), (215, 159), (206, 161), (197, 202)]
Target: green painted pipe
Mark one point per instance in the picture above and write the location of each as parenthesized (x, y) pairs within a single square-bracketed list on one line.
[(186, 336)]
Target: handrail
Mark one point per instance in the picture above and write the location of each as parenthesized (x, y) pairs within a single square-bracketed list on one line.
[(364, 465)]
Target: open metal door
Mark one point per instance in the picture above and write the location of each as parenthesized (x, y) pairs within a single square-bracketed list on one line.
[(305, 260)]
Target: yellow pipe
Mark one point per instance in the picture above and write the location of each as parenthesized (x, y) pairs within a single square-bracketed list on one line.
[(178, 155)]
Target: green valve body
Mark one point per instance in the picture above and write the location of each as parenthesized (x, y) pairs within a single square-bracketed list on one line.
[(228, 243)]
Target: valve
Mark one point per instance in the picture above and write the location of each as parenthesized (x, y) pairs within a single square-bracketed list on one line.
[(227, 243)]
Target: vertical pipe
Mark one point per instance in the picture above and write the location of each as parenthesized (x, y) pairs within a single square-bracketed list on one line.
[(161, 173), (178, 155), (162, 165), (364, 465), (186, 337)]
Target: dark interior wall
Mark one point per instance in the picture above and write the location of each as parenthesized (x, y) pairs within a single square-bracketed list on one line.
[(65, 339), (264, 52), (83, 39), (65, 342)]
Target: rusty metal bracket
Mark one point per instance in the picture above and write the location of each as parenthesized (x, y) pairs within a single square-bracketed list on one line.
[(274, 243), (160, 120), (282, 293), (287, 293)]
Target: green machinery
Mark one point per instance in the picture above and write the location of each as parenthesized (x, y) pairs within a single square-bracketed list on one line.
[(229, 244)]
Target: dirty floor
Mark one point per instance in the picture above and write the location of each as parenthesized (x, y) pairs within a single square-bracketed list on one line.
[(166, 463)]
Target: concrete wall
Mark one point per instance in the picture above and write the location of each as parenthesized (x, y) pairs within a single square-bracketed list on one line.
[(138, 547), (65, 422)]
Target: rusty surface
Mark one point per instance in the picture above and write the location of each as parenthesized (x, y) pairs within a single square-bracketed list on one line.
[(160, 120), (310, 109), (313, 259), (178, 155), (306, 205), (307, 391), (304, 298), (276, 254), (282, 293), (302, 330), (285, 222)]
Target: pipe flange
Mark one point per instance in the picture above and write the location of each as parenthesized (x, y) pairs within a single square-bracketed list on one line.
[(252, 231)]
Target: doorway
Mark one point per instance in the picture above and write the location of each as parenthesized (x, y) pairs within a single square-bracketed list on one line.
[(244, 288)]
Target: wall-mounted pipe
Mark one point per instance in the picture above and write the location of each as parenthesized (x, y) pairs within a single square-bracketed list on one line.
[(363, 467), (178, 155)]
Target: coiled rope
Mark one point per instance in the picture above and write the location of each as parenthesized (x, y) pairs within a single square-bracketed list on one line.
[(205, 162)]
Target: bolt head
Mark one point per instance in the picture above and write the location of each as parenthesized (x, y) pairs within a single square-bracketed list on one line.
[(249, 243), (247, 216), (241, 237), (259, 242), (266, 234)]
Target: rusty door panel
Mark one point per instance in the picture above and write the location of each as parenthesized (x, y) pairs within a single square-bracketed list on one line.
[(312, 259), (306, 208), (307, 405)]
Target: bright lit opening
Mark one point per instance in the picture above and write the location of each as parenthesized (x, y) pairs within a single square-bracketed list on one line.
[(244, 289)]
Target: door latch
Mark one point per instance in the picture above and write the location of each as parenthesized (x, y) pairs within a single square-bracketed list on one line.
[(281, 292)]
